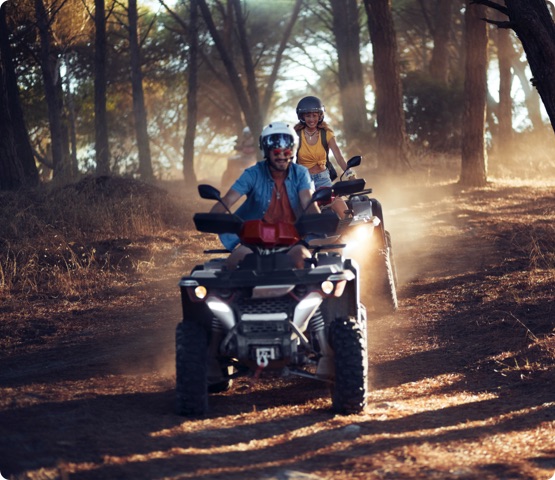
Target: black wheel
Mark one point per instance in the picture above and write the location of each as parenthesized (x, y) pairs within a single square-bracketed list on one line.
[(191, 386), (348, 340), (382, 274)]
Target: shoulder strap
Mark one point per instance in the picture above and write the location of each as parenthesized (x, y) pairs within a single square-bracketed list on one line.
[(324, 139)]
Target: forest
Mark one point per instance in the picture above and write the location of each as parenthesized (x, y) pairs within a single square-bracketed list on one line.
[(113, 112), (161, 90)]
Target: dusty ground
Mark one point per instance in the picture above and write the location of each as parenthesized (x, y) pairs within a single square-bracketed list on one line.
[(462, 382)]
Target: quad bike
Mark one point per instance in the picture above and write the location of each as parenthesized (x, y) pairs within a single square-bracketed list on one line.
[(368, 242), (266, 314)]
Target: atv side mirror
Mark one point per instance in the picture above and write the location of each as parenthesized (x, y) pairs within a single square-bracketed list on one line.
[(209, 192), (354, 161)]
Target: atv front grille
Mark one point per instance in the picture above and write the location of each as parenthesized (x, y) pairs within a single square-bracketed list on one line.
[(251, 328), (265, 306)]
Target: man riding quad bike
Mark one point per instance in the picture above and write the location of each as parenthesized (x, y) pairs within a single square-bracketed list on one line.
[(268, 309)]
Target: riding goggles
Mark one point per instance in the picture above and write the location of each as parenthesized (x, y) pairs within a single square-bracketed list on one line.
[(278, 141)]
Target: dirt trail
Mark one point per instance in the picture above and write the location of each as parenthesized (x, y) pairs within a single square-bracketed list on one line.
[(462, 376)]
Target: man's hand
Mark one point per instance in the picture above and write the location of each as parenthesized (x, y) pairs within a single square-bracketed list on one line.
[(350, 174), (305, 196)]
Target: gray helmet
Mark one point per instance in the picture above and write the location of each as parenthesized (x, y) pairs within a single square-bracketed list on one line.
[(277, 135), (309, 105)]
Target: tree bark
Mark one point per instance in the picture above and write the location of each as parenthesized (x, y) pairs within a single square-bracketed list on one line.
[(392, 138), (346, 30), (192, 106), (21, 135), (139, 109), (474, 160), (100, 115)]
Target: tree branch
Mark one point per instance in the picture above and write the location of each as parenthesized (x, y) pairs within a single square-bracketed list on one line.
[(500, 24), (495, 6)]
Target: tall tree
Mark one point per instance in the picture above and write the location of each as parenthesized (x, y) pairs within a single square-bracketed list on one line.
[(534, 26), (532, 98), (243, 81), (192, 104), (392, 138), (441, 29), (50, 67), (139, 109), (505, 108), (100, 86), (21, 136), (346, 30), (474, 160), (11, 171)]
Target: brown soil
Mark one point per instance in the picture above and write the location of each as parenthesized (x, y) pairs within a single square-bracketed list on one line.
[(462, 377)]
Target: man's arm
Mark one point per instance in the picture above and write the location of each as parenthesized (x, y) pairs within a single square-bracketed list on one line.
[(230, 198), (304, 197)]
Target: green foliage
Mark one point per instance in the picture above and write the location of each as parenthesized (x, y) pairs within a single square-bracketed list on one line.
[(433, 112)]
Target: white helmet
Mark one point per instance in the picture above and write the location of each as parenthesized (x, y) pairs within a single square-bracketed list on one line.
[(277, 135)]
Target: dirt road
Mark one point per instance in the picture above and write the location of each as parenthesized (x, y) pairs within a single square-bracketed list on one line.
[(461, 377)]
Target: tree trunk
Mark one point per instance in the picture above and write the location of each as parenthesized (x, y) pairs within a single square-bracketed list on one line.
[(439, 63), (346, 31), (11, 171), (189, 142), (100, 116), (473, 162), (21, 136), (74, 168), (533, 24), (505, 108), (139, 110), (54, 95), (392, 138), (532, 99)]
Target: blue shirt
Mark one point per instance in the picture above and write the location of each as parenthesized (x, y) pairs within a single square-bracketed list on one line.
[(257, 184)]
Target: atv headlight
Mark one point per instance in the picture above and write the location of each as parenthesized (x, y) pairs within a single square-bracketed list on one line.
[(200, 292), (327, 287), (358, 238)]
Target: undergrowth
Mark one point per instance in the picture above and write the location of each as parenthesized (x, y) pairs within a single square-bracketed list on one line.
[(75, 239)]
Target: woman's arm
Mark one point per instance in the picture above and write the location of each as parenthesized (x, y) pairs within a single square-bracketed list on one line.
[(337, 154)]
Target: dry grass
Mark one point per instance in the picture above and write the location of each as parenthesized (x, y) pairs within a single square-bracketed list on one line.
[(72, 240)]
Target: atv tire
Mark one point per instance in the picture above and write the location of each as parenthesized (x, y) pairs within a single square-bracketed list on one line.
[(191, 341), (384, 292), (348, 340)]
